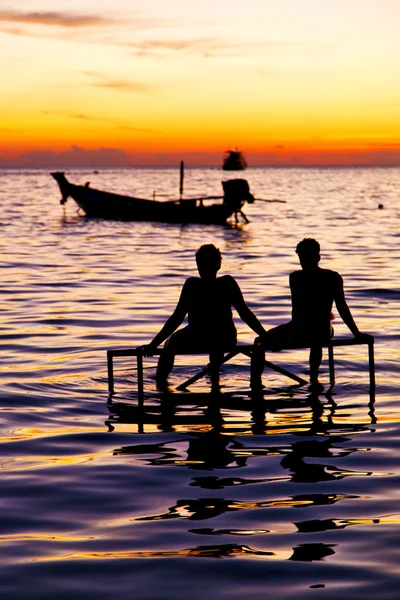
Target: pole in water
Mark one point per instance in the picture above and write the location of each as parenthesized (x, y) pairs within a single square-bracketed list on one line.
[(181, 175)]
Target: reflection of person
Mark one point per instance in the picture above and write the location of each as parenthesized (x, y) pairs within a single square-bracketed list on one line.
[(208, 301), (313, 292)]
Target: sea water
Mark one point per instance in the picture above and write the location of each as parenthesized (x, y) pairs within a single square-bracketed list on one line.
[(203, 495)]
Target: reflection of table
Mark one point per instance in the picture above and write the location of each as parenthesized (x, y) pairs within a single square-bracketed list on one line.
[(245, 349)]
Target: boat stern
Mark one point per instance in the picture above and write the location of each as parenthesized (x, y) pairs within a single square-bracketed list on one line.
[(237, 192)]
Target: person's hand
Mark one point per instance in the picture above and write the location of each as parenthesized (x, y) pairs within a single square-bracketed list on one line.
[(269, 342), (148, 349)]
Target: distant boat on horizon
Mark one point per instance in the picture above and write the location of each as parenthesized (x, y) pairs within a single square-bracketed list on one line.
[(234, 160)]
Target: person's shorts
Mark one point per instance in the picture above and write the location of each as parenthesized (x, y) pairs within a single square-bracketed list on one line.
[(282, 336), (184, 342)]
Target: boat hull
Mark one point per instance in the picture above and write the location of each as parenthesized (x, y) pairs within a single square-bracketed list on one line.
[(107, 205)]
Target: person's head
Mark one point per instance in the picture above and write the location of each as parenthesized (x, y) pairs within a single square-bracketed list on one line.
[(208, 259), (308, 251)]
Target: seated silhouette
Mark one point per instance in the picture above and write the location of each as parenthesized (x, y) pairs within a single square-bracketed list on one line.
[(313, 292), (207, 301)]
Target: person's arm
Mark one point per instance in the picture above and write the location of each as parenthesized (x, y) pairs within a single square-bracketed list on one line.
[(344, 310), (244, 311), (171, 324)]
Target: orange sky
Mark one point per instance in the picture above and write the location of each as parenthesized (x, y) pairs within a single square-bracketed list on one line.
[(104, 83)]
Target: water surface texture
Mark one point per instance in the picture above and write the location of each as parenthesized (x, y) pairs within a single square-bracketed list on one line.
[(293, 497)]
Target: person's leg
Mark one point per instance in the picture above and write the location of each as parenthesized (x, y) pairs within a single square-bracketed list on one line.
[(257, 364), (277, 338), (315, 362), (165, 362), (216, 358), (175, 343)]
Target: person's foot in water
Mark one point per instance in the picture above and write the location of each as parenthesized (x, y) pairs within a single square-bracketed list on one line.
[(162, 384)]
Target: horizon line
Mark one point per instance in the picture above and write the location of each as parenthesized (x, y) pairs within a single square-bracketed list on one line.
[(202, 166)]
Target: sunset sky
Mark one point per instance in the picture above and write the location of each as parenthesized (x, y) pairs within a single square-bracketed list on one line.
[(101, 82)]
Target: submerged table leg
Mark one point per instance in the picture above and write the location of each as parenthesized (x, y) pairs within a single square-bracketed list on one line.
[(371, 360), (110, 371), (140, 380), (331, 365)]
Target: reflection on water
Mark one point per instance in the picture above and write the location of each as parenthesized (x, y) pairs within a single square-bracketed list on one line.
[(287, 493)]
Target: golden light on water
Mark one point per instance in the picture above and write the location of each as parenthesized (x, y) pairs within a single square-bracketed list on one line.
[(192, 552), (93, 485)]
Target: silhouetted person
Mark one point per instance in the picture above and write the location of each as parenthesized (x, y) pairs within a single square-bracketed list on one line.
[(313, 292), (207, 301)]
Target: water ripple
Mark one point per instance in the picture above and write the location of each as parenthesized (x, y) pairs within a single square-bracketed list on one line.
[(292, 496)]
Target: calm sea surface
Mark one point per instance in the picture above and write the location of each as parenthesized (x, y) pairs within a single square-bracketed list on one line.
[(297, 497)]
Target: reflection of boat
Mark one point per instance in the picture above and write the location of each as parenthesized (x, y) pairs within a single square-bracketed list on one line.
[(234, 161), (107, 205)]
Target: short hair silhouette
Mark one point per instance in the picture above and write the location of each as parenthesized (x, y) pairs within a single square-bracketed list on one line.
[(308, 251), (208, 259), (308, 248)]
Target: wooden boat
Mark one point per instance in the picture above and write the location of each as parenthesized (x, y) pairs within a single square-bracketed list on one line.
[(108, 205), (234, 161)]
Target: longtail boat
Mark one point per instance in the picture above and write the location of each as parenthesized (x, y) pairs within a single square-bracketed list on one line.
[(109, 205)]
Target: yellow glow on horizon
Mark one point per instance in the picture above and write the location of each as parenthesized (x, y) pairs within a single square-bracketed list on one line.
[(192, 81)]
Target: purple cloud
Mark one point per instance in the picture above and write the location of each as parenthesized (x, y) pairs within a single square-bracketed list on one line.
[(57, 19)]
